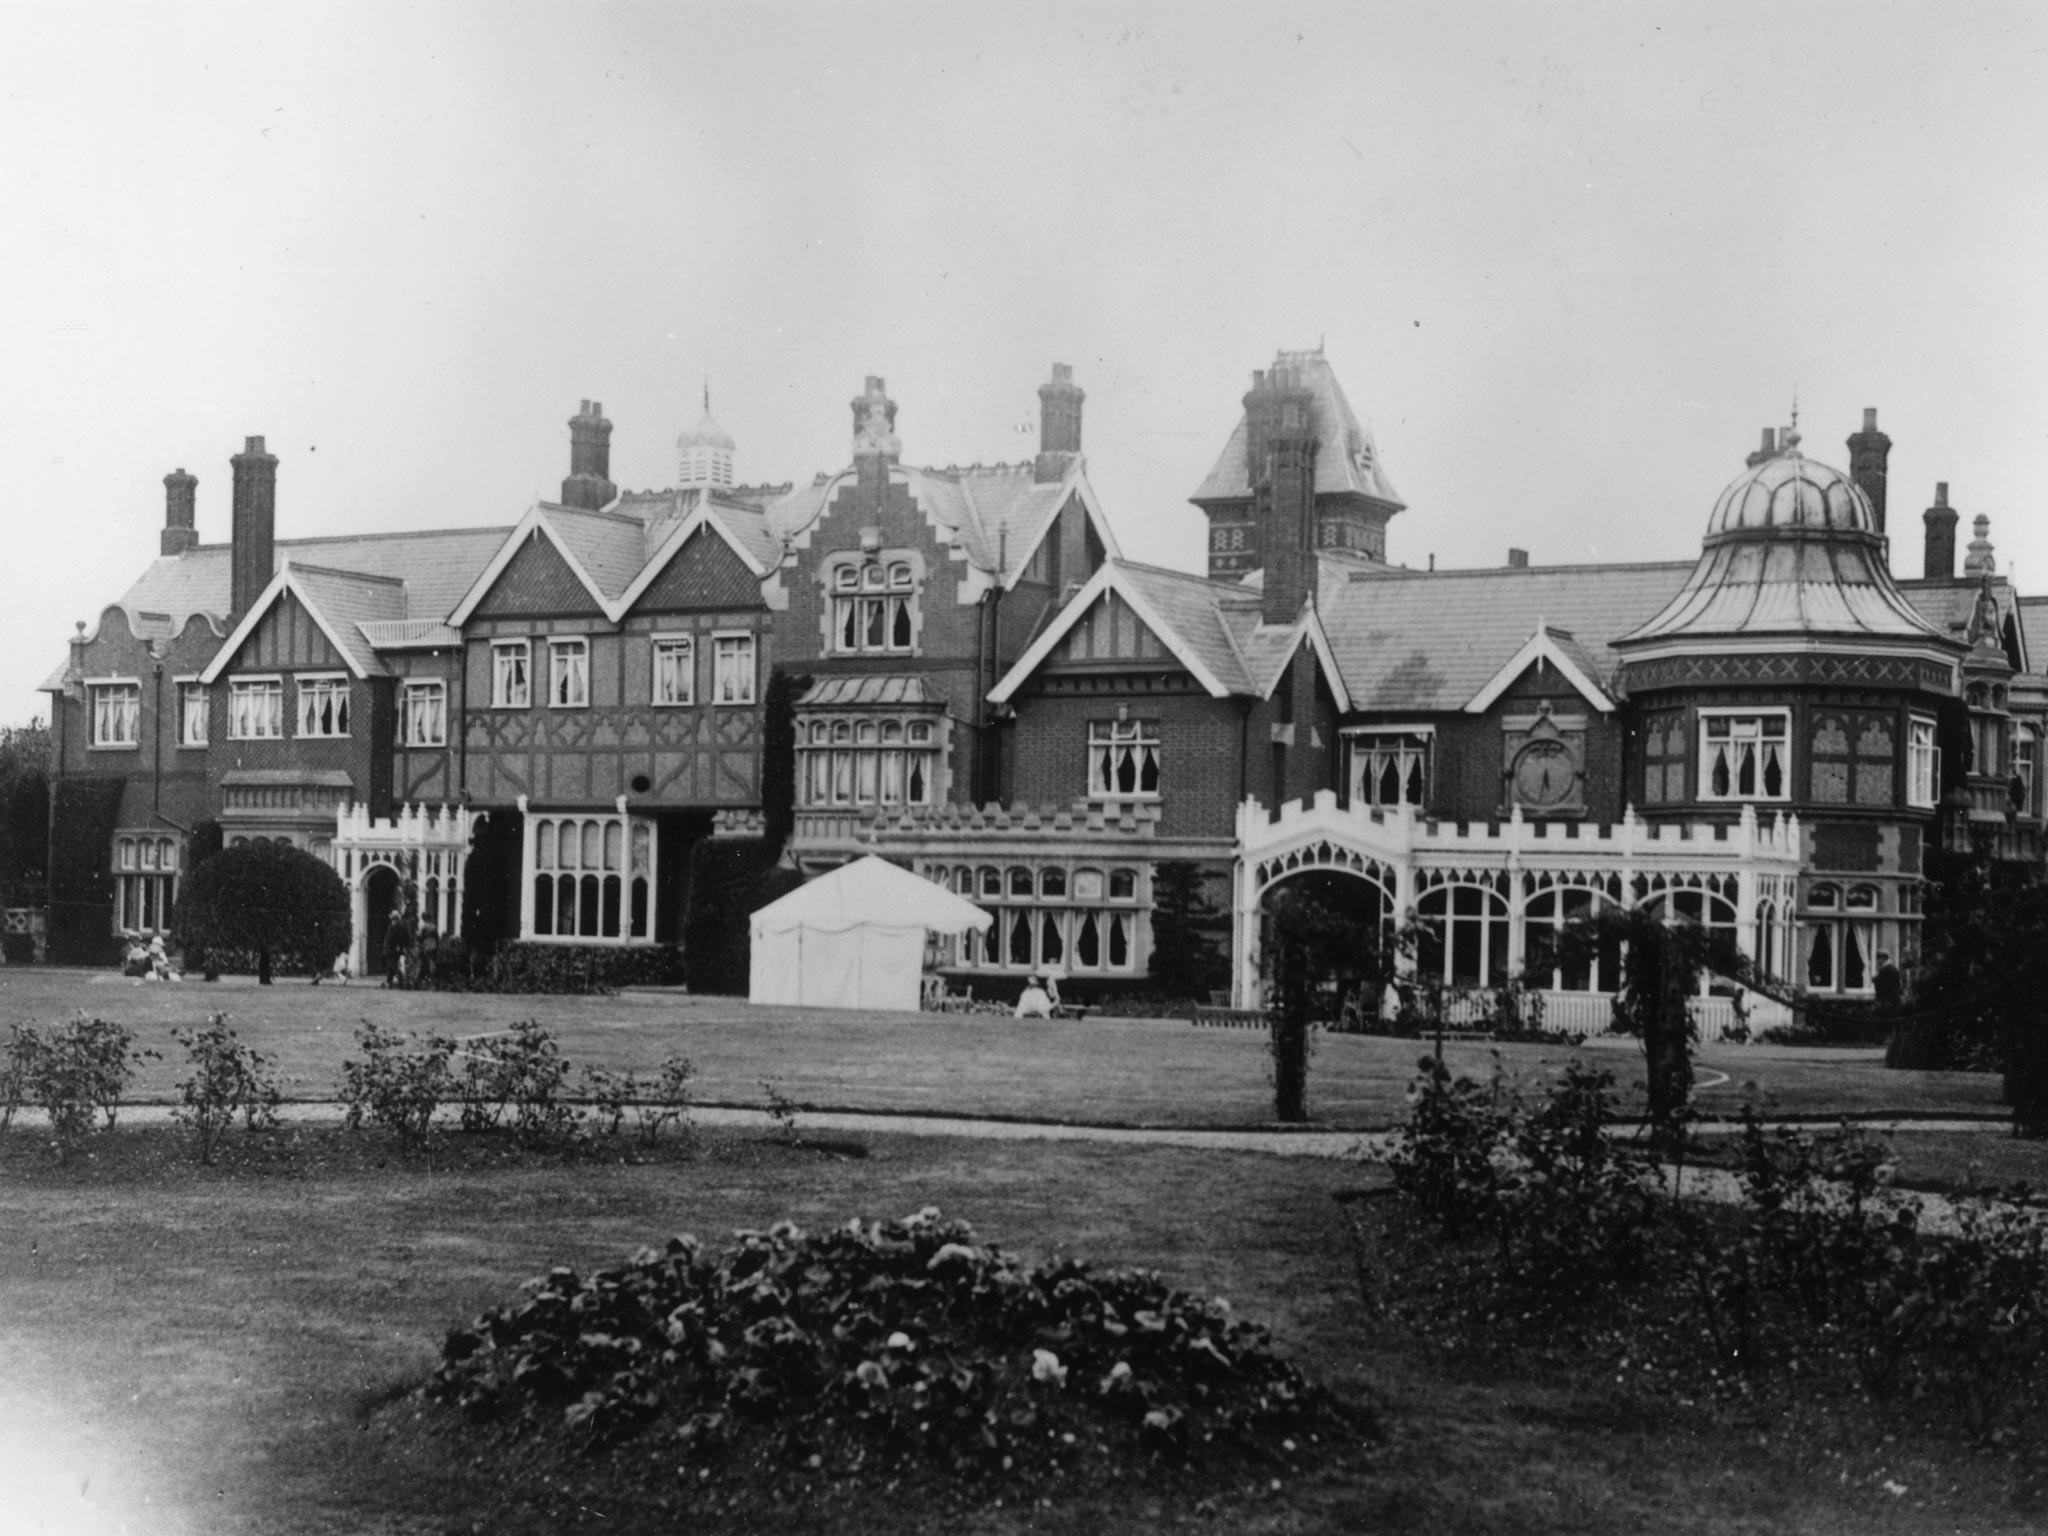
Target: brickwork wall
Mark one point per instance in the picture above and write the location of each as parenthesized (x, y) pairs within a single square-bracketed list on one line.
[(1198, 747), (426, 775), (179, 787)]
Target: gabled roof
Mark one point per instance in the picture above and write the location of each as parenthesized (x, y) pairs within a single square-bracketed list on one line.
[(1347, 462), (996, 514), (1213, 628), (1561, 649), (1416, 641), (741, 527), (337, 601), (570, 535), (607, 548)]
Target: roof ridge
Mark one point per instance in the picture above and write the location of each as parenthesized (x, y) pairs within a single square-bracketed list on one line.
[(1226, 588), (335, 570), (625, 519)]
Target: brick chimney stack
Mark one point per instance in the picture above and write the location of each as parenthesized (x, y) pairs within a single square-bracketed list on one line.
[(589, 485), (1280, 421), (1769, 450), (181, 529), (1059, 424), (1941, 520), (254, 551), (1869, 451)]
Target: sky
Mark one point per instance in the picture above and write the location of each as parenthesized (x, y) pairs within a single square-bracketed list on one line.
[(1568, 260)]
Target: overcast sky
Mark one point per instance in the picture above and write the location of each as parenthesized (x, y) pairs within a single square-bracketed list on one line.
[(1567, 260)]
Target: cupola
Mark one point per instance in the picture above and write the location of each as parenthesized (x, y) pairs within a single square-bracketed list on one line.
[(704, 452)]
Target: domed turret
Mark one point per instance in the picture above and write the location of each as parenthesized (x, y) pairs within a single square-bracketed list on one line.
[(704, 452), (1792, 550), (1789, 490)]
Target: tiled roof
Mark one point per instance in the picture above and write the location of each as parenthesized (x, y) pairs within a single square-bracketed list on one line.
[(1213, 620), (611, 546), (1347, 461), (748, 525), (1950, 603), (1410, 640), (2033, 612), (410, 634), (829, 692)]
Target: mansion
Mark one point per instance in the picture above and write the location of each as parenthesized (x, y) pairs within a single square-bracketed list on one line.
[(1768, 736)]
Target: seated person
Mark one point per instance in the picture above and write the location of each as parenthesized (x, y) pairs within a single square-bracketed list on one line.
[(1035, 1003)]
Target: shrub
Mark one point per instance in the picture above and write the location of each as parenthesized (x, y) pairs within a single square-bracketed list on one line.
[(1190, 933), (520, 1073), (730, 879), (228, 1079), (655, 1105), (18, 948), (75, 1073), (1574, 1204), (398, 1084), (261, 906), (1445, 1159), (879, 1347), (84, 813), (557, 969)]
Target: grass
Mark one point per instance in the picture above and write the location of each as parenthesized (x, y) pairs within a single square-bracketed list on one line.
[(224, 1349), (1113, 1071)]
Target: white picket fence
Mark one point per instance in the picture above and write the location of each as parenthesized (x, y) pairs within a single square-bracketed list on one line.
[(1592, 1013)]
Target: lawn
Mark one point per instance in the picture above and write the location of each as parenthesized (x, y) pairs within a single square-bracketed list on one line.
[(1109, 1071), (205, 1348)]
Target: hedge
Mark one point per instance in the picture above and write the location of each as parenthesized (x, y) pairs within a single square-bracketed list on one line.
[(730, 879), (81, 930)]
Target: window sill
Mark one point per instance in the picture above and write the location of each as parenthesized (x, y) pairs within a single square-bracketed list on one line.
[(114, 746)]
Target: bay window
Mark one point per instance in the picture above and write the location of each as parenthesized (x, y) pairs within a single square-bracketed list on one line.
[(145, 882), (856, 761)]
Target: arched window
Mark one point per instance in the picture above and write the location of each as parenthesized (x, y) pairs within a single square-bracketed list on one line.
[(1546, 916), (1464, 938)]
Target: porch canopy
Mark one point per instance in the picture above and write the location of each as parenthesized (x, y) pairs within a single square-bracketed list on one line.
[(853, 938)]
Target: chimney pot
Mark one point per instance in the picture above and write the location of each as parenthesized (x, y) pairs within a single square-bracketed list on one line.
[(1941, 493), (1518, 559), (589, 485), (1870, 418)]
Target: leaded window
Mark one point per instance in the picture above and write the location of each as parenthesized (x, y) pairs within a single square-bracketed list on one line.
[(1390, 768), (675, 670)]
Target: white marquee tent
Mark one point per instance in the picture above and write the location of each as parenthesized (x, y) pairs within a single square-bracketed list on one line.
[(853, 938)]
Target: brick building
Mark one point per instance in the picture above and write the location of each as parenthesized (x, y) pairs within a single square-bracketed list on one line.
[(1766, 737)]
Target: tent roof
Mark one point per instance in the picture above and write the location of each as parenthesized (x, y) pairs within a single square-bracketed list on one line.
[(871, 892)]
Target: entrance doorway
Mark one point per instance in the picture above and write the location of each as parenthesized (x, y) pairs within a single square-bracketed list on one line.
[(381, 892)]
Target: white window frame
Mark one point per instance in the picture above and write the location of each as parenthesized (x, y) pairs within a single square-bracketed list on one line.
[(101, 689), (1923, 763), (271, 687), (671, 649), (871, 592), (504, 695), (568, 672), (726, 675), (1412, 746), (2023, 755), (1736, 719), (409, 697), (313, 686), (191, 691), (1106, 739)]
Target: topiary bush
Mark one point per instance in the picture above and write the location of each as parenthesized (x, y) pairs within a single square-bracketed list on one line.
[(879, 1349), (262, 907)]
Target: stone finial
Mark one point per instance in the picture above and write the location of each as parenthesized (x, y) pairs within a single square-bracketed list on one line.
[(1980, 561), (874, 423)]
